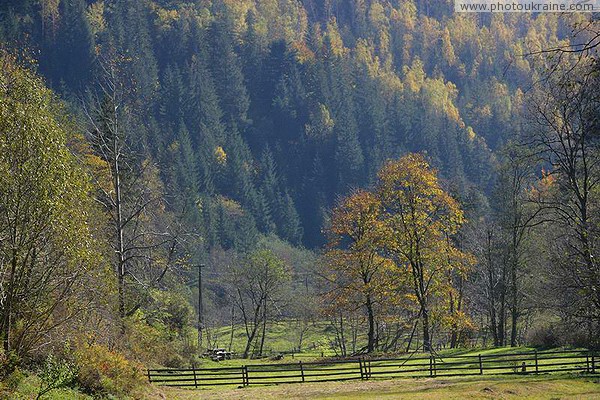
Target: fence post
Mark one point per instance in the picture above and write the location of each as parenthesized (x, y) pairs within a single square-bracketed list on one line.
[(587, 363), (302, 370), (430, 365), (480, 365), (369, 376), (149, 378), (536, 362), (360, 365), (195, 377), (593, 364), (245, 377)]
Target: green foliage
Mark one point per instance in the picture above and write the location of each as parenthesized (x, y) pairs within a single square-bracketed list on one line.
[(45, 241), (55, 374), (11, 381)]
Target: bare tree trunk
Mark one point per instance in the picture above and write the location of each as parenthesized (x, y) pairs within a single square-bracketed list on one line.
[(253, 332), (232, 325), (502, 318), (342, 337), (264, 328), (426, 331), (371, 321), (119, 231), (7, 309), (514, 305)]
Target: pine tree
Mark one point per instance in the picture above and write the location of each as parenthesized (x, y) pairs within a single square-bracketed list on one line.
[(70, 52), (172, 94), (227, 71), (289, 221)]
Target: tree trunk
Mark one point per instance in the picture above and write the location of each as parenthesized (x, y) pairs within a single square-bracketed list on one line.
[(119, 233), (426, 332), (264, 329), (455, 333), (249, 341), (412, 334), (232, 325), (371, 318), (252, 334), (502, 317), (492, 291), (342, 338), (514, 306), (7, 309)]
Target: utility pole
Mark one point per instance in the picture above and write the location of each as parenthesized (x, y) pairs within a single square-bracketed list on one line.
[(200, 307)]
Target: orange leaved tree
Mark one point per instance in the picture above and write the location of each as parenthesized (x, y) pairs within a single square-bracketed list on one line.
[(419, 217), (355, 265)]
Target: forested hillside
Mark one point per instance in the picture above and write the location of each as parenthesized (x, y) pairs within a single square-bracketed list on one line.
[(236, 134), (281, 106)]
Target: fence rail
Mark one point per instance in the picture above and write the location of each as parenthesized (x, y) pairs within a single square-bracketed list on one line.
[(368, 368)]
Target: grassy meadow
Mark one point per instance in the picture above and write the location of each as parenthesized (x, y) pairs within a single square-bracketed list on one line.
[(555, 386)]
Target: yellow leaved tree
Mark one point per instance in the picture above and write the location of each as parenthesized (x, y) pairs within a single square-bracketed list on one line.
[(392, 249), (356, 267), (420, 217)]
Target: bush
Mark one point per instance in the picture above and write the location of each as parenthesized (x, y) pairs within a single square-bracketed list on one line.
[(545, 336), (56, 374), (149, 344), (10, 383), (8, 363), (103, 371), (156, 343)]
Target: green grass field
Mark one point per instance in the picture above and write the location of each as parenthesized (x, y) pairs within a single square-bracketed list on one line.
[(555, 386), (281, 336), (448, 363)]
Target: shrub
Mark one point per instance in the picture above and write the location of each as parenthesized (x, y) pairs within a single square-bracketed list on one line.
[(8, 363), (103, 371), (56, 374), (149, 344), (544, 336), (10, 383)]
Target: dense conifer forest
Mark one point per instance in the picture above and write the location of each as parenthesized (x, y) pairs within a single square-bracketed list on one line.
[(275, 146)]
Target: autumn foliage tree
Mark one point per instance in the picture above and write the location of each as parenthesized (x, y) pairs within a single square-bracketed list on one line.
[(356, 266), (420, 217), (396, 242)]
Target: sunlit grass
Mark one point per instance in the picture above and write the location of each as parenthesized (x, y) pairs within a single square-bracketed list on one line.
[(512, 387)]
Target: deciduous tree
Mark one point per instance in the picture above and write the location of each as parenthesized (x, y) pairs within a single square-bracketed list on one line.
[(420, 217)]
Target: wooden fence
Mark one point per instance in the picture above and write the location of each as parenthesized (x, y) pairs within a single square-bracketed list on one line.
[(366, 368)]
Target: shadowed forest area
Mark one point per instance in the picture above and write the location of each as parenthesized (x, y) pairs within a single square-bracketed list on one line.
[(318, 177)]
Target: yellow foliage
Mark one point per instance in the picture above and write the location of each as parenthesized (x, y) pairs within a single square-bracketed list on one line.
[(393, 245), (364, 55), (333, 39), (102, 370), (166, 18), (220, 156), (356, 236), (421, 218), (231, 206), (414, 76), (303, 53), (448, 49)]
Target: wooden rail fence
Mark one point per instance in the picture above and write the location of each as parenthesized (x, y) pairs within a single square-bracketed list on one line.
[(367, 368)]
